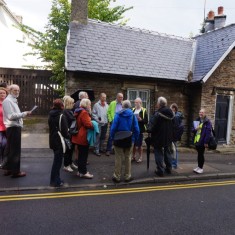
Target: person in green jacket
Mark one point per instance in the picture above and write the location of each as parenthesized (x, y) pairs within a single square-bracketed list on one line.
[(114, 107)]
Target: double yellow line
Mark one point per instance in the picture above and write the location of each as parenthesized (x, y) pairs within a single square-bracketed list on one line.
[(111, 191)]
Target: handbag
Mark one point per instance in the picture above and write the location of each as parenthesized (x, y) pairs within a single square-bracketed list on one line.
[(212, 144), (73, 129), (123, 139), (66, 143)]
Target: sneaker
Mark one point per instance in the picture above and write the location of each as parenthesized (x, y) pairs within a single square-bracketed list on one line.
[(115, 180), (74, 166), (129, 179), (199, 170), (195, 170), (86, 176), (97, 153), (68, 169)]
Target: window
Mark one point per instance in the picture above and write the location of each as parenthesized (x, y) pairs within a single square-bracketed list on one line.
[(132, 94)]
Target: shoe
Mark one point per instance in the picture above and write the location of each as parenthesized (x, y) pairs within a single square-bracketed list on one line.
[(129, 180), (68, 168), (158, 173), (86, 176), (97, 154), (168, 171), (107, 153), (20, 174), (199, 170), (74, 166), (195, 170), (133, 159), (58, 185), (115, 180), (139, 160), (7, 173)]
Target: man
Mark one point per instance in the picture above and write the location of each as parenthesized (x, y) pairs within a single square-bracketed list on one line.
[(114, 107), (161, 129), (81, 95), (12, 118), (124, 121), (99, 114), (178, 132)]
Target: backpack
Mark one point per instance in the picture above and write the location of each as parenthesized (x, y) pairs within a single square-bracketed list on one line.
[(178, 128)]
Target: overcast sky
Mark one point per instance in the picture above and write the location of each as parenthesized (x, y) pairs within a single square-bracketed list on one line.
[(177, 17)]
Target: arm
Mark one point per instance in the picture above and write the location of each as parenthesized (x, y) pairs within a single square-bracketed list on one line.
[(86, 120), (95, 113), (114, 126), (136, 130)]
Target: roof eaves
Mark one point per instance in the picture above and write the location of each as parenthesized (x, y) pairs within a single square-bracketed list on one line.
[(218, 62)]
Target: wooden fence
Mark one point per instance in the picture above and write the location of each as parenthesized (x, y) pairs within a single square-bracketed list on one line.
[(36, 88)]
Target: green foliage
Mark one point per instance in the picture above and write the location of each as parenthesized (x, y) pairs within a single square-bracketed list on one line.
[(50, 45)]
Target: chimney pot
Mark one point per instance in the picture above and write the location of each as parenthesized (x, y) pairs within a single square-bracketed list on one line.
[(220, 10), (211, 15)]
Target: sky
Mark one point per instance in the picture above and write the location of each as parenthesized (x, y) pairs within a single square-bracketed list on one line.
[(175, 17)]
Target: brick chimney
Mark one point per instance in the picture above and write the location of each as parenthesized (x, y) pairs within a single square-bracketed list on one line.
[(209, 22), (220, 19), (79, 11)]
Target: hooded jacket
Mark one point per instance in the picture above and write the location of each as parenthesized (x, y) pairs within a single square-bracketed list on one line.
[(53, 122), (125, 120), (205, 131), (161, 127), (83, 122)]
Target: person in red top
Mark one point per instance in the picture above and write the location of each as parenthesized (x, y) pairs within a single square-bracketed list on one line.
[(3, 140), (84, 123)]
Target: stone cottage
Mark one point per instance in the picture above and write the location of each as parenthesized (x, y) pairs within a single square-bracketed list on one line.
[(194, 73)]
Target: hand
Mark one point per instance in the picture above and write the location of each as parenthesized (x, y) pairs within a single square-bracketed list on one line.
[(206, 145), (29, 113), (139, 119)]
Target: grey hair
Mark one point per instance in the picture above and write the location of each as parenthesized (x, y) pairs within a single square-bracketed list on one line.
[(162, 101), (85, 102), (126, 104), (138, 99), (82, 94)]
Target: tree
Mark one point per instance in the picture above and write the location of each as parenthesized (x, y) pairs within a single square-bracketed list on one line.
[(50, 45)]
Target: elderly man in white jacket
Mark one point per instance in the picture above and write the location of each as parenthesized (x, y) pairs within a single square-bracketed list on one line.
[(12, 118)]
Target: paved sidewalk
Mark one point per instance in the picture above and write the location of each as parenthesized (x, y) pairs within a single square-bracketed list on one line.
[(37, 163)]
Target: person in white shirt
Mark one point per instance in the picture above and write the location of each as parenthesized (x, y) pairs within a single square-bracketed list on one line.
[(13, 120)]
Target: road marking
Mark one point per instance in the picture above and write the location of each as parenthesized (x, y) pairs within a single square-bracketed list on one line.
[(111, 191)]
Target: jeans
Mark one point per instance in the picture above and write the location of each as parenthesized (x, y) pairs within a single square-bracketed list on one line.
[(101, 138), (175, 154), (163, 153), (109, 142), (200, 156), (82, 158), (55, 170)]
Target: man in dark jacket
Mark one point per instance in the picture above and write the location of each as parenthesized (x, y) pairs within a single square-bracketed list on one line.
[(161, 129)]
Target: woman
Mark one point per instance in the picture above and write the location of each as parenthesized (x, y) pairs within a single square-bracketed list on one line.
[(3, 140), (68, 113), (142, 118), (55, 140), (84, 123), (202, 131)]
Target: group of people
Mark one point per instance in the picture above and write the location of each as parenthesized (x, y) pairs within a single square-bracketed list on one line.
[(92, 126)]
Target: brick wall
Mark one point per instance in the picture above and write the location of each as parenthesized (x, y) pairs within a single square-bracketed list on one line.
[(223, 77), (112, 84)]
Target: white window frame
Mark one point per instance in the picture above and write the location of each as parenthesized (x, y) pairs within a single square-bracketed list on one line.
[(138, 92)]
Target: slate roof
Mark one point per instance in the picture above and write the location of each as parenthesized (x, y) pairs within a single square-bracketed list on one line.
[(210, 48), (108, 48)]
